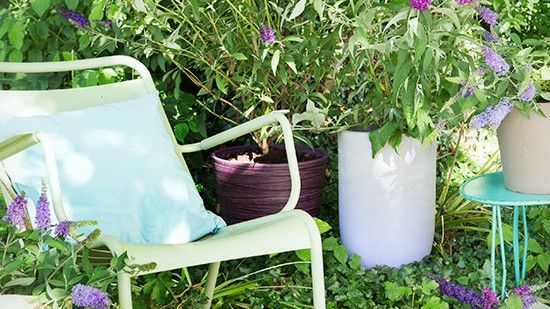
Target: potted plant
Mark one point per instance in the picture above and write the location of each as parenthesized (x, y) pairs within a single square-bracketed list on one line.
[(413, 63), (254, 58), (519, 114)]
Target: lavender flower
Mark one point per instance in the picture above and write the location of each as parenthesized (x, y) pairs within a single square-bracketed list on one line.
[(487, 15), (459, 292), (495, 61), (489, 299), (87, 296), (466, 90), (107, 23), (528, 93), (419, 4), (42, 219), (493, 115), (490, 37), (267, 34), (526, 295), (16, 211), (62, 228), (74, 17), (464, 2)]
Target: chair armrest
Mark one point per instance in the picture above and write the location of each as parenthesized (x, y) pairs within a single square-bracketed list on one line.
[(20, 142), (251, 126)]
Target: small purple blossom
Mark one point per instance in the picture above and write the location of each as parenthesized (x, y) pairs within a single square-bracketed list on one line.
[(74, 17), (487, 15), (107, 23), (42, 219), (495, 61), (267, 34), (528, 93), (16, 211), (466, 90), (490, 37), (87, 296), (493, 115), (489, 299), (62, 229), (419, 4), (526, 295), (464, 2)]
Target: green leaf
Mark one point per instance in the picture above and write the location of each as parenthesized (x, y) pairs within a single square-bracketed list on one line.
[(341, 254), (181, 130), (513, 302), (292, 66), (24, 281), (16, 35), (395, 292), (544, 261), (546, 225), (221, 83), (40, 6), (298, 9), (379, 137), (534, 246), (15, 56), (355, 261), (319, 6), (239, 56), (71, 4), (275, 61), (97, 10), (435, 302), (304, 254), (330, 243), (322, 225)]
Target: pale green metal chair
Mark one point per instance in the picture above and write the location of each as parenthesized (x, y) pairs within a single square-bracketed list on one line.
[(287, 230)]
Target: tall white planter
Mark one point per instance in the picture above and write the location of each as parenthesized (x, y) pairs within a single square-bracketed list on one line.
[(386, 204)]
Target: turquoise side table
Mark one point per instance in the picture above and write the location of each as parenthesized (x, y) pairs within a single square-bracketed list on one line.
[(489, 189)]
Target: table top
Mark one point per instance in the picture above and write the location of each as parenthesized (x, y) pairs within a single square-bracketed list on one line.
[(489, 189)]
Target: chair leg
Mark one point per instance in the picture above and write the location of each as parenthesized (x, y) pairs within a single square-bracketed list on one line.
[(317, 278), (124, 291), (211, 278)]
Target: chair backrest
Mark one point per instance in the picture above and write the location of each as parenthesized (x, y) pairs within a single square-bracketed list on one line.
[(30, 102)]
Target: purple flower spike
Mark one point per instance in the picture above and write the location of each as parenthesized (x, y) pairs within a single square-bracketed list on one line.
[(420, 4), (16, 211), (74, 17), (490, 37), (464, 2), (42, 219), (87, 296), (526, 295), (493, 115), (489, 299), (487, 15), (62, 229), (462, 294), (495, 61), (267, 34), (466, 90), (528, 94)]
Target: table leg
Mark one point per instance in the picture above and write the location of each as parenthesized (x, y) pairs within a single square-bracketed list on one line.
[(525, 242), (493, 247), (515, 244), (502, 253)]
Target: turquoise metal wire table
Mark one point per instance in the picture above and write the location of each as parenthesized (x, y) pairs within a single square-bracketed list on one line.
[(489, 189)]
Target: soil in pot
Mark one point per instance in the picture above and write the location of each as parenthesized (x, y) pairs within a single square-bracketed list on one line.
[(251, 185)]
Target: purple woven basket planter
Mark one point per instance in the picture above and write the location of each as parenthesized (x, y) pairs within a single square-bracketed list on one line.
[(250, 190)]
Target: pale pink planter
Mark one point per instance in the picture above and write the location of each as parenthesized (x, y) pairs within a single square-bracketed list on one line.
[(525, 151)]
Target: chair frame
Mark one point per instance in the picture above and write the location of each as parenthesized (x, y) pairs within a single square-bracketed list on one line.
[(292, 218)]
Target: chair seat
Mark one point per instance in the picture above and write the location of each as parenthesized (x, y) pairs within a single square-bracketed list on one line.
[(281, 232)]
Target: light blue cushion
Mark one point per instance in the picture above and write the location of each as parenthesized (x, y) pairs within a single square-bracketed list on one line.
[(118, 166)]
